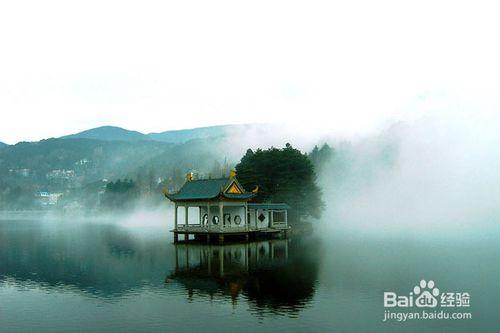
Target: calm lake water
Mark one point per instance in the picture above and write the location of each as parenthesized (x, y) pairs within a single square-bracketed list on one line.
[(64, 276)]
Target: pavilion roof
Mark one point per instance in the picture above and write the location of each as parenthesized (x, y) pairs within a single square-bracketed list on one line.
[(207, 189), (269, 206)]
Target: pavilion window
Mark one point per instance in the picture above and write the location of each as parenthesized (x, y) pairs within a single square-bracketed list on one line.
[(279, 216)]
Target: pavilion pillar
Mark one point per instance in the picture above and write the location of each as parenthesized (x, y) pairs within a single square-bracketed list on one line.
[(186, 221), (221, 214), (201, 222), (176, 258), (286, 218), (246, 256), (175, 216), (271, 218), (255, 220), (257, 253), (209, 220), (221, 261), (246, 217), (209, 260)]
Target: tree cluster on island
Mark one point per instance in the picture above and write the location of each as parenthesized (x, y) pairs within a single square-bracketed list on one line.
[(284, 175)]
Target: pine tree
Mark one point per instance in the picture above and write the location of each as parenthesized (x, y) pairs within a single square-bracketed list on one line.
[(283, 175)]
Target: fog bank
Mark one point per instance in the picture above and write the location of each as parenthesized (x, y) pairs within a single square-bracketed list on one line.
[(436, 174)]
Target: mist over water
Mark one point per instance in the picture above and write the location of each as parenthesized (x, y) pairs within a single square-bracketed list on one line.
[(429, 175), (414, 200), (432, 171)]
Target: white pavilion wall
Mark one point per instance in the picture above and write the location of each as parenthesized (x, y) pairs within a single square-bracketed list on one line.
[(233, 211), (255, 218)]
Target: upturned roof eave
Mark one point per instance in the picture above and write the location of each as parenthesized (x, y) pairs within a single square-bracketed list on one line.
[(239, 196), (222, 195), (174, 198)]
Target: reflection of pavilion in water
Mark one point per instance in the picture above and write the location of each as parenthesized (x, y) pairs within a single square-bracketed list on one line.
[(105, 261), (227, 269), (223, 260)]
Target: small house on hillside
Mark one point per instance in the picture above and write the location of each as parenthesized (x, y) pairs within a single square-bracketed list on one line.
[(222, 207)]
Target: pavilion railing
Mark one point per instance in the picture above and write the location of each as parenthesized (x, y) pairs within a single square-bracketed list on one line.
[(213, 228), (279, 224)]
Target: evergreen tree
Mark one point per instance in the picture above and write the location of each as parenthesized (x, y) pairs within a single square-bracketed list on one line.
[(283, 175), (320, 157), (120, 194)]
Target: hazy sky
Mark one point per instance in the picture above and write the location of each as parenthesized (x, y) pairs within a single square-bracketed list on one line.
[(348, 66)]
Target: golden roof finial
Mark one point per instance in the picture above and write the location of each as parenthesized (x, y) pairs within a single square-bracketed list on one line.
[(232, 173), (189, 176)]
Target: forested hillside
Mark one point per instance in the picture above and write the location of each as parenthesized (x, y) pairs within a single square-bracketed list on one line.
[(102, 173), (75, 172)]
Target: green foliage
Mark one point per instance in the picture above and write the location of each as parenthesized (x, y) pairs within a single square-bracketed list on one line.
[(120, 194), (286, 174), (92, 161), (320, 157), (283, 175), (107, 159), (15, 197)]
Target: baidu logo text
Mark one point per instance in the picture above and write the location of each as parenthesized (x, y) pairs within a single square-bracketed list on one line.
[(426, 295)]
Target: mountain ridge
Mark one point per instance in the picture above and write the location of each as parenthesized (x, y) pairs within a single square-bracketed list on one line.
[(108, 133), (115, 133), (184, 135)]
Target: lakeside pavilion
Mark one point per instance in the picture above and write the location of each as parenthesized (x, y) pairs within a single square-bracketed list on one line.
[(222, 209)]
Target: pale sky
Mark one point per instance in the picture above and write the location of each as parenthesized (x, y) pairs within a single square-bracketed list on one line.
[(346, 66)]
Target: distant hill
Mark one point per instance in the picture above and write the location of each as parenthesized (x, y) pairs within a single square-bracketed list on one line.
[(113, 133), (185, 135), (91, 158), (3, 144), (79, 165), (109, 133)]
